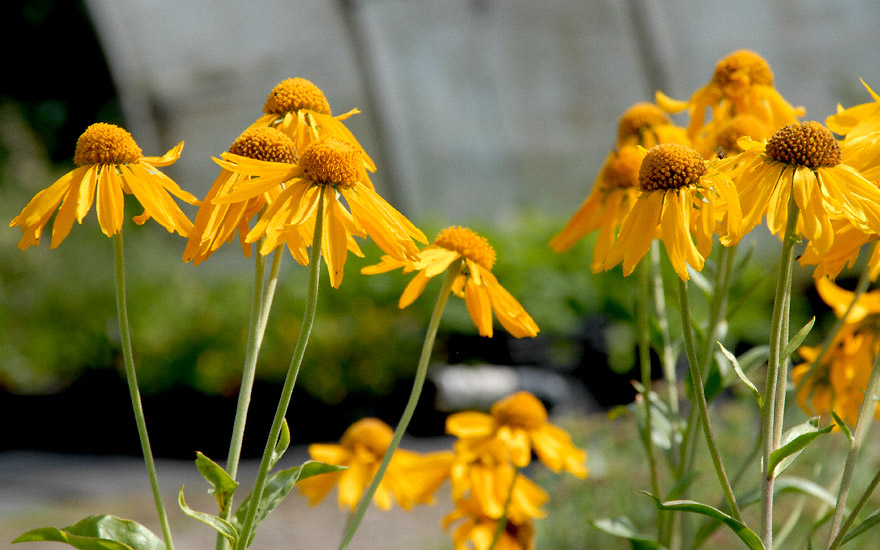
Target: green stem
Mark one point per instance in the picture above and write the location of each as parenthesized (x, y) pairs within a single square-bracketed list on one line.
[(290, 380), (863, 424), (421, 373), (502, 521), (774, 398), (700, 399), (134, 392), (860, 505), (668, 358)]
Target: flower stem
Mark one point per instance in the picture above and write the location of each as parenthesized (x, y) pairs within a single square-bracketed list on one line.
[(838, 540), (668, 359), (502, 521), (700, 398), (421, 373), (290, 380), (134, 392), (863, 424), (644, 345), (774, 393)]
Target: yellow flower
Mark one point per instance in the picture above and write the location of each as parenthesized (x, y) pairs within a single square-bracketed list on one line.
[(299, 109), (722, 137), (519, 421), (742, 84), (679, 197), (410, 479), (857, 121), (215, 224), (110, 165), (647, 125), (481, 291), (804, 161), (478, 530), (843, 252), (333, 169)]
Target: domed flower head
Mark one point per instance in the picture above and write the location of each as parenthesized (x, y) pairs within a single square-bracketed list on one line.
[(481, 291), (410, 479), (299, 109), (109, 166), (478, 530), (721, 138), (742, 84), (329, 170), (215, 224), (802, 161), (681, 200), (647, 125), (520, 423)]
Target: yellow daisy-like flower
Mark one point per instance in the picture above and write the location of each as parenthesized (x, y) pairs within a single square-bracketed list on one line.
[(110, 165), (299, 109), (680, 197), (802, 161), (519, 421), (215, 224), (606, 206), (330, 168), (478, 530), (481, 291), (742, 84), (860, 125), (647, 125), (721, 138), (410, 479), (843, 252)]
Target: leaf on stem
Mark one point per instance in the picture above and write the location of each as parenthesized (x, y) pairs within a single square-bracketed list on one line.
[(229, 531), (842, 425), (797, 339), (737, 368), (622, 527), (100, 532), (223, 486), (281, 445), (796, 439), (739, 528), (862, 527)]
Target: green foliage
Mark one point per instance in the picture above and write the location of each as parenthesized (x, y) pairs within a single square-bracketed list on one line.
[(99, 533)]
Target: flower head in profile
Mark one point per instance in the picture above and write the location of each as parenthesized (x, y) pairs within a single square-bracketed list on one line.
[(647, 125), (410, 479), (860, 126), (109, 166), (802, 161), (741, 84), (328, 171), (482, 292), (216, 224), (478, 530), (682, 202), (520, 423), (299, 109)]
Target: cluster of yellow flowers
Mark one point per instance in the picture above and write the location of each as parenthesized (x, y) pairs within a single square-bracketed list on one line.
[(494, 501)]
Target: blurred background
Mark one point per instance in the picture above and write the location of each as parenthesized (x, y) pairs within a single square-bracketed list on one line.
[(494, 114)]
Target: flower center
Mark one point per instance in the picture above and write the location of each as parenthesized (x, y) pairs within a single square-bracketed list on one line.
[(104, 143), (468, 244), (670, 166), (737, 127), (332, 161), (804, 144), (520, 410), (738, 71), (622, 170), (267, 144), (368, 433), (294, 94), (640, 118)]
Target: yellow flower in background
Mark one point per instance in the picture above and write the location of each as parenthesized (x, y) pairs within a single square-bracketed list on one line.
[(215, 224), (333, 169), (481, 291), (721, 138), (857, 121), (843, 252), (520, 422), (681, 200), (410, 479), (804, 161), (647, 125), (741, 84), (606, 206), (299, 109), (478, 530), (109, 165)]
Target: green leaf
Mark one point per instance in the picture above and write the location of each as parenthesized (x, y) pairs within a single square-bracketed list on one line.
[(281, 445), (842, 425), (863, 526), (796, 439), (739, 528), (223, 485), (797, 339), (277, 488), (754, 358), (100, 532), (741, 373), (622, 527), (793, 483), (229, 531)]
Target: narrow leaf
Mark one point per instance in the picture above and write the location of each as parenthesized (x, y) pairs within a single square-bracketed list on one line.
[(842, 425), (862, 527), (223, 485), (739, 528), (798, 338), (281, 445), (99, 532), (797, 439), (622, 527), (229, 531), (793, 483), (741, 373)]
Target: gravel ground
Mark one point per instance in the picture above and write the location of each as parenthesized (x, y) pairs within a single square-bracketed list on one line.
[(40, 490)]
